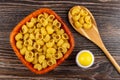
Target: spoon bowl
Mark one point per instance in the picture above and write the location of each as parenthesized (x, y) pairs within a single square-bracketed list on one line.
[(92, 34)]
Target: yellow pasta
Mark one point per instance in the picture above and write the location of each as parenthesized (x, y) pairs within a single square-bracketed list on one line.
[(19, 44), (50, 24), (45, 15), (24, 29), (60, 42), (56, 23), (35, 61), (53, 35), (41, 20), (34, 20), (38, 67), (83, 12), (18, 36), (50, 18), (29, 56), (31, 30), (76, 17), (77, 24), (49, 29), (87, 26), (44, 64), (66, 45), (56, 37), (36, 31), (51, 62), (50, 43), (25, 43), (55, 46), (30, 42), (49, 55), (39, 36), (29, 47), (41, 53), (40, 50), (26, 36), (40, 16), (43, 31), (44, 48), (45, 22), (36, 46), (41, 58), (23, 50), (32, 36), (51, 50), (58, 55), (38, 25), (60, 31), (81, 20), (30, 24), (62, 49), (75, 11), (56, 29), (87, 19), (42, 41), (65, 36), (47, 38)]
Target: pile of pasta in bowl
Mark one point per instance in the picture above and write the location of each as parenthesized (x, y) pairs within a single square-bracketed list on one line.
[(41, 42)]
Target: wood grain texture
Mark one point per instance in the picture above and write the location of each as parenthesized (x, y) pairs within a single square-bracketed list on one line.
[(107, 15)]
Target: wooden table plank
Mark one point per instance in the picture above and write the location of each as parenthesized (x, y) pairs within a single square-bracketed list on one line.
[(107, 15)]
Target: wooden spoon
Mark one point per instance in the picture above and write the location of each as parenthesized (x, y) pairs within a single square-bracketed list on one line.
[(93, 35)]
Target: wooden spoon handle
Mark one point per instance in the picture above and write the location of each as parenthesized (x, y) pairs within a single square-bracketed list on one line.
[(113, 61)]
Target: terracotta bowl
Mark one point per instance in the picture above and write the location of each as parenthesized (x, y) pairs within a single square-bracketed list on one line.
[(18, 28)]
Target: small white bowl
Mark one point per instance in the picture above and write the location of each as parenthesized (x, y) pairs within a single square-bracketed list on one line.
[(79, 53)]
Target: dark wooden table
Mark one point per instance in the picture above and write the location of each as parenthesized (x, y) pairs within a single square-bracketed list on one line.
[(107, 15)]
